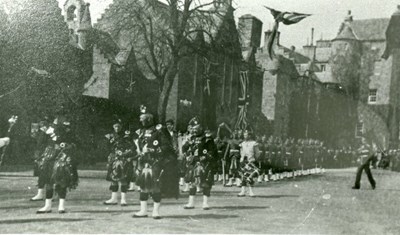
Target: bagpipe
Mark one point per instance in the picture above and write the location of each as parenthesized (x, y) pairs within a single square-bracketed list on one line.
[(249, 171), (5, 141)]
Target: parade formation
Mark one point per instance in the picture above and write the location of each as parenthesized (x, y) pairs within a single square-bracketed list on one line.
[(161, 162)]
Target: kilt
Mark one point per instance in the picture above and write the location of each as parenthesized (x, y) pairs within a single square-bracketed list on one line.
[(119, 168), (200, 174), (149, 178), (249, 171), (233, 164), (158, 173), (65, 172), (45, 164)]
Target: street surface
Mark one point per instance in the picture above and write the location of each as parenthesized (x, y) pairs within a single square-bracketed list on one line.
[(317, 204)]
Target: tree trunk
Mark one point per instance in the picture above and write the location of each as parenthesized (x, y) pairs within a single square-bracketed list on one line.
[(166, 89)]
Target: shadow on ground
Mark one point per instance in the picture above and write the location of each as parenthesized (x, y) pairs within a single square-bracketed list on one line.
[(200, 216), (41, 220), (16, 207), (240, 207), (101, 211), (274, 196)]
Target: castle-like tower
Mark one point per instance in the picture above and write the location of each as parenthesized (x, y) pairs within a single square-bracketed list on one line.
[(77, 16), (345, 58)]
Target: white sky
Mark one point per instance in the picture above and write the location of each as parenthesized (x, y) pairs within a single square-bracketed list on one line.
[(326, 19)]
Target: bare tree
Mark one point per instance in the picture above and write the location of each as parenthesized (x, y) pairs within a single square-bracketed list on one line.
[(162, 34)]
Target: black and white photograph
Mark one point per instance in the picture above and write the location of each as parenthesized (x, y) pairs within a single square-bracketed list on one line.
[(199, 117)]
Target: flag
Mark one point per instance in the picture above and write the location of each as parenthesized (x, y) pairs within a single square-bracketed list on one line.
[(243, 101), (286, 18)]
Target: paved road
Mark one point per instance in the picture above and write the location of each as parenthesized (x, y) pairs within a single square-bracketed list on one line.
[(318, 204)]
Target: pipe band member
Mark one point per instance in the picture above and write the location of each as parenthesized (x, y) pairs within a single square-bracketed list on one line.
[(158, 169), (249, 153), (119, 167), (202, 158), (60, 165)]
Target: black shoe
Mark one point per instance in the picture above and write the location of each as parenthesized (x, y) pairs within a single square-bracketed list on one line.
[(124, 204), (110, 203), (62, 212), (35, 200), (139, 216), (157, 217), (373, 186), (43, 212), (354, 187), (188, 207)]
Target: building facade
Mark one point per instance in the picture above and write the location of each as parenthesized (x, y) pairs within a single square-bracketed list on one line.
[(347, 90), (208, 83)]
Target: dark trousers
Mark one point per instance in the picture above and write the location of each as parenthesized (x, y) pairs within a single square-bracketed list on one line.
[(368, 172), (61, 191)]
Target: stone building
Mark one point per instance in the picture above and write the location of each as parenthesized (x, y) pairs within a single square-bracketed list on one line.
[(353, 90), (295, 99), (208, 81), (368, 78)]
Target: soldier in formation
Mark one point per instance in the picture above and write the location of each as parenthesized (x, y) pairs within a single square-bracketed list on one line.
[(249, 154), (157, 165), (59, 166), (119, 167), (155, 157), (40, 139), (232, 163), (202, 157)]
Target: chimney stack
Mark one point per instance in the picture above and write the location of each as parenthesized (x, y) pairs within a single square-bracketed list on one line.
[(250, 31), (312, 36)]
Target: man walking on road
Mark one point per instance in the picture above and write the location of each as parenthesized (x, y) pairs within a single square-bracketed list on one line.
[(367, 156)]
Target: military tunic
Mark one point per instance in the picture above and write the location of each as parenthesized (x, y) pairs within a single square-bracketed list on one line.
[(202, 160), (157, 162)]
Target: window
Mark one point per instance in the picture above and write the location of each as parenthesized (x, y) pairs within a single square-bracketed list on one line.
[(372, 96), (359, 129), (323, 67)]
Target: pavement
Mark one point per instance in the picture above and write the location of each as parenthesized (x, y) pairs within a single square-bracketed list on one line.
[(315, 204)]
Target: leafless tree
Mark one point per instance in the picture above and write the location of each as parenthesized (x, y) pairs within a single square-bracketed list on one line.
[(162, 34)]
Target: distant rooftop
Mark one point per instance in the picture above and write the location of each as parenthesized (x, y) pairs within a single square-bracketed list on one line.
[(370, 29)]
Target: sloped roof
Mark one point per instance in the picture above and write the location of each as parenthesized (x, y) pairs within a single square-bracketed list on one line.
[(370, 29), (106, 44), (364, 30), (346, 32), (122, 57), (326, 77), (86, 21), (246, 54), (297, 57)]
